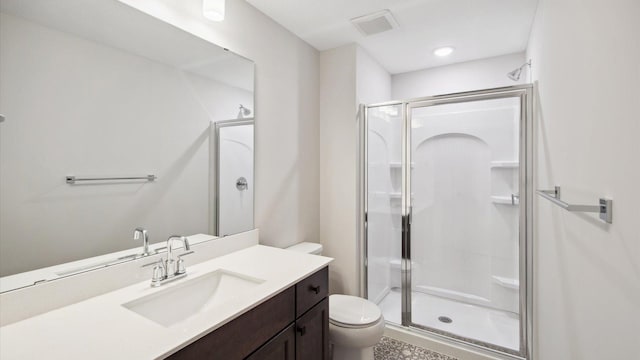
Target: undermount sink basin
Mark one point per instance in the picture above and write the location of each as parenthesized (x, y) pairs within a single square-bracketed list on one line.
[(177, 303)]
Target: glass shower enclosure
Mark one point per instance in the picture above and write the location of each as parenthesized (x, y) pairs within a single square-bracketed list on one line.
[(445, 215)]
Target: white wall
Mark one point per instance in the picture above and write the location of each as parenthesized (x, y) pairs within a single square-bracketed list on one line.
[(337, 166), (65, 117), (286, 129), (348, 76), (586, 58), (373, 82), (471, 75)]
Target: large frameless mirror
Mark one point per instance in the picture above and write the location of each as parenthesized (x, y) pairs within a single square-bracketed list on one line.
[(106, 117)]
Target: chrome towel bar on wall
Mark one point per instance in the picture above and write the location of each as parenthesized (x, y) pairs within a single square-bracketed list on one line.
[(603, 208), (70, 179)]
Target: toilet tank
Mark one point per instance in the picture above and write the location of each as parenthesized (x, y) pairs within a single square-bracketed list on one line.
[(307, 248)]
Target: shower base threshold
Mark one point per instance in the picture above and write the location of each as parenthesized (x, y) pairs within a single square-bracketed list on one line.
[(475, 322)]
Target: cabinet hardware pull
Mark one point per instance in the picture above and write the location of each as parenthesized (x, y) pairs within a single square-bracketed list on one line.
[(302, 330), (315, 289)]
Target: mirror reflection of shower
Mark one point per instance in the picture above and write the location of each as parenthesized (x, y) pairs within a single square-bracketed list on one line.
[(243, 112), (234, 176)]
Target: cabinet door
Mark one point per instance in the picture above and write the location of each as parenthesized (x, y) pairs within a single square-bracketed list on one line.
[(281, 347), (239, 338), (312, 333)]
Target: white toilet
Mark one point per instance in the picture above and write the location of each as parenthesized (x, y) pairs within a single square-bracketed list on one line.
[(355, 324)]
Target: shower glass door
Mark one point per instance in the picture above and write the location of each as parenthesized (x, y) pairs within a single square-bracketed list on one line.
[(465, 222), (383, 201), (446, 200)]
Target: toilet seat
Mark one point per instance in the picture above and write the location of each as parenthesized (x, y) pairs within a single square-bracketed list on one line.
[(352, 312), (349, 326)]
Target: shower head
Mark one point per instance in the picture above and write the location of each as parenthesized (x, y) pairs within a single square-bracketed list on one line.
[(515, 74), (243, 112)]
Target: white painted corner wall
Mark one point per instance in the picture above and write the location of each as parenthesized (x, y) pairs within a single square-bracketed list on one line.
[(348, 77), (586, 58), (286, 108)]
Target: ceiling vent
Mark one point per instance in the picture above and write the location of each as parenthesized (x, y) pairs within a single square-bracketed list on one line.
[(375, 23)]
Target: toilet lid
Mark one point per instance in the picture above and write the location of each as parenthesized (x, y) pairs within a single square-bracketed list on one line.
[(352, 310)]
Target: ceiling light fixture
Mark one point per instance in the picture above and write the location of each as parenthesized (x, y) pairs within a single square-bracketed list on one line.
[(443, 51), (213, 9)]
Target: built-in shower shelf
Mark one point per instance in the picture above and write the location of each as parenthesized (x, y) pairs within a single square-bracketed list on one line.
[(398, 195), (504, 200), (505, 164), (392, 195), (398, 165), (506, 282)]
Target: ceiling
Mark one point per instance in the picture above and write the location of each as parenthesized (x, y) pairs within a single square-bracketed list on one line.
[(475, 28)]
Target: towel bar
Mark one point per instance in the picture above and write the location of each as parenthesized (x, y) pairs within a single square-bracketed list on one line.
[(603, 208), (72, 179)]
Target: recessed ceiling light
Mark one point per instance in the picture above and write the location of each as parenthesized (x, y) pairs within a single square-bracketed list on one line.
[(213, 9), (443, 51)]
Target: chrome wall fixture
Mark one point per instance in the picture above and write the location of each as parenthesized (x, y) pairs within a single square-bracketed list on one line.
[(243, 112), (515, 74), (604, 206), (70, 179)]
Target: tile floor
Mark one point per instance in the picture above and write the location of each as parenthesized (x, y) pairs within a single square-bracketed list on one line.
[(392, 349)]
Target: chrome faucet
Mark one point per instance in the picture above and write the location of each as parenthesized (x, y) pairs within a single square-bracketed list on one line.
[(140, 232), (173, 268), (170, 269)]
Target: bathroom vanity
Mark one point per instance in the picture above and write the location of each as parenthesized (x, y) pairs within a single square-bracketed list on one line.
[(259, 302), (292, 325)]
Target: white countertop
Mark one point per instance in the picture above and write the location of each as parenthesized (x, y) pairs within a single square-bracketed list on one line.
[(101, 328)]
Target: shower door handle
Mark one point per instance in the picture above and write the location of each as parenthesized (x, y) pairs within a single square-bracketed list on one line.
[(514, 198), (242, 184)]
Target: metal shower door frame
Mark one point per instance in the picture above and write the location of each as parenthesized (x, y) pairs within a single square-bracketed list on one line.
[(525, 94)]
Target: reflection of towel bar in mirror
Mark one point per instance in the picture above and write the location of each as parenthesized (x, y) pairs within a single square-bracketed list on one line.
[(72, 179), (603, 208)]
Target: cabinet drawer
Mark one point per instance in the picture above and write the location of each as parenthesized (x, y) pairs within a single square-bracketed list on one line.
[(240, 337), (311, 290)]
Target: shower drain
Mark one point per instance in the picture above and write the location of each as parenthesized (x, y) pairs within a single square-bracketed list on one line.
[(445, 319)]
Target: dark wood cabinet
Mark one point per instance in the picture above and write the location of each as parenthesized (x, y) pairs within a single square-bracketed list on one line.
[(311, 290), (312, 333), (281, 347), (293, 324)]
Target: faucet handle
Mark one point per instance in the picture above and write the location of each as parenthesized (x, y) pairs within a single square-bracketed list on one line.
[(180, 269), (158, 272)]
